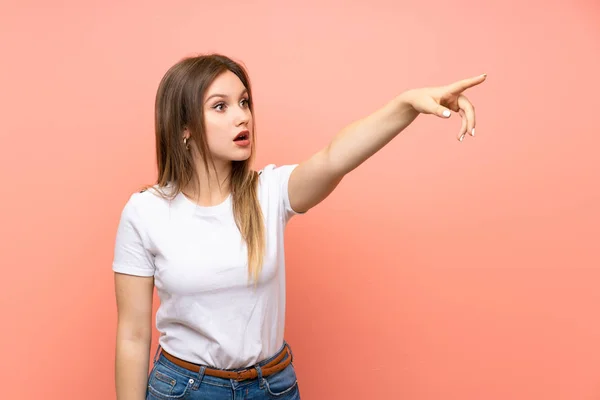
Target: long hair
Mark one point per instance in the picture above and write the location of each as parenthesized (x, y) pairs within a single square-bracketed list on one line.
[(179, 101)]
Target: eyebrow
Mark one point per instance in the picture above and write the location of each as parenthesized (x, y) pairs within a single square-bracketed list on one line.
[(223, 95)]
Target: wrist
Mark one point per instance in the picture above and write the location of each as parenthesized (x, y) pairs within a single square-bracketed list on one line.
[(404, 101), (403, 107)]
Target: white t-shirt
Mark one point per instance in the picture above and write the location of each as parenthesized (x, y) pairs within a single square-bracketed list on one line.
[(210, 312)]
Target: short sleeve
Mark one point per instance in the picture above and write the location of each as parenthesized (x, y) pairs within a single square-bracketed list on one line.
[(279, 177), (131, 254)]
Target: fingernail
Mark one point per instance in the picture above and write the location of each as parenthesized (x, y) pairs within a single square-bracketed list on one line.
[(473, 132), (462, 137), (446, 113)]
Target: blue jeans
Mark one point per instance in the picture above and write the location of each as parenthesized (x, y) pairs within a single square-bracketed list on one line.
[(168, 381)]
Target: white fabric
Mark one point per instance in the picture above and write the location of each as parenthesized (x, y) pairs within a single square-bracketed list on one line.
[(209, 313)]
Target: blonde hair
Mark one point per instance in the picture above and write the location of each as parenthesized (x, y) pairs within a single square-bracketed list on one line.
[(178, 106)]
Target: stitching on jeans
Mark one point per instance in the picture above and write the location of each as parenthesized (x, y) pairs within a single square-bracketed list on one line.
[(286, 391), (195, 377), (164, 378)]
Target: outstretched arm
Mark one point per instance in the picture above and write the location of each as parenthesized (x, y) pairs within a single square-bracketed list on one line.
[(314, 179)]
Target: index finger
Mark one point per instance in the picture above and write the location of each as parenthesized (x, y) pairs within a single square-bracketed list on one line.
[(461, 86)]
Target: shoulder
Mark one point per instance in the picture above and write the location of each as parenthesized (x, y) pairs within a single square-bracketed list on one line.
[(273, 172), (273, 182), (146, 202)]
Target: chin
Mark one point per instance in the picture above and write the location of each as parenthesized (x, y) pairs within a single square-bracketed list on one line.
[(241, 157)]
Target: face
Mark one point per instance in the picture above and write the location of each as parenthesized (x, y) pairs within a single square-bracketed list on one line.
[(228, 119)]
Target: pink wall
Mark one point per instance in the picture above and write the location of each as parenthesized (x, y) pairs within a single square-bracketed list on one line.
[(437, 270)]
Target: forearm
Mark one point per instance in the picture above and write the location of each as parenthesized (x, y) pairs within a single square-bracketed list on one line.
[(131, 368), (363, 138)]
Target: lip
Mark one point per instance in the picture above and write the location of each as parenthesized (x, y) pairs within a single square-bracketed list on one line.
[(244, 142), (244, 132)]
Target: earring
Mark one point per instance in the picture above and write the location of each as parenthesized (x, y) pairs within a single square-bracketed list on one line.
[(185, 143)]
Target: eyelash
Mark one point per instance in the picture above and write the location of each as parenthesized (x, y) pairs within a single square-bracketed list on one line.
[(247, 101)]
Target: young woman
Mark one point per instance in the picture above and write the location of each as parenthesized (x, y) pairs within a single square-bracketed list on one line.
[(210, 235)]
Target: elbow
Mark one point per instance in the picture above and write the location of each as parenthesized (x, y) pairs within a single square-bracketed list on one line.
[(334, 163), (134, 333)]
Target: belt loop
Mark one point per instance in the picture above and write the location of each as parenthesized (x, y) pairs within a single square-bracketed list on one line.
[(259, 377), (290, 351), (156, 355), (201, 373)]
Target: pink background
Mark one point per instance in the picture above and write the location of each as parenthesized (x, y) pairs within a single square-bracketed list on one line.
[(437, 270)]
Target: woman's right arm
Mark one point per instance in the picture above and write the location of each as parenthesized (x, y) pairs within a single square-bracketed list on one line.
[(134, 335)]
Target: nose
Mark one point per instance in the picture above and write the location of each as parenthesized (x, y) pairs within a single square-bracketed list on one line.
[(242, 116)]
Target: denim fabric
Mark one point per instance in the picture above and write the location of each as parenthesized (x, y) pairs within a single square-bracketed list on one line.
[(168, 381)]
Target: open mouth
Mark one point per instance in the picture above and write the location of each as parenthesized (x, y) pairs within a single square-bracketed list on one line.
[(242, 136)]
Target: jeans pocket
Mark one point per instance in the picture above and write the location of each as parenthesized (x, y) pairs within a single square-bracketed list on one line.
[(283, 384), (166, 384)]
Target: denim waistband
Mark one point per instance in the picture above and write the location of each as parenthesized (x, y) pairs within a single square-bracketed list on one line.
[(159, 357)]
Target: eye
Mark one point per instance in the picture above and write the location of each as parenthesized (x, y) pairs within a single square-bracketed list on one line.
[(219, 106), (245, 102)]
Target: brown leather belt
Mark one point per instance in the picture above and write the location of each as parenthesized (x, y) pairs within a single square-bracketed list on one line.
[(278, 364)]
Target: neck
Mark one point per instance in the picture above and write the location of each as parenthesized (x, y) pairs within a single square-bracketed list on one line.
[(211, 188)]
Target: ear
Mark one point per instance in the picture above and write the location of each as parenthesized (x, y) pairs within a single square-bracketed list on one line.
[(186, 134)]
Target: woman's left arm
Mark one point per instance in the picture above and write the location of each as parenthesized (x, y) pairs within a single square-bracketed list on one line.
[(314, 179)]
